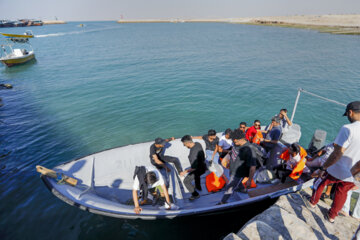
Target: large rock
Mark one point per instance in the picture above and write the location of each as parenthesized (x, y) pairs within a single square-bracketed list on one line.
[(288, 225), (289, 218), (259, 230), (232, 236)]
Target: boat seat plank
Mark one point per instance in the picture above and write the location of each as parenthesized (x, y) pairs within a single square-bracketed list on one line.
[(271, 188)]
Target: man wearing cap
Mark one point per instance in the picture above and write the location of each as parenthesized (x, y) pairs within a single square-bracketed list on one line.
[(159, 160), (242, 163), (337, 168)]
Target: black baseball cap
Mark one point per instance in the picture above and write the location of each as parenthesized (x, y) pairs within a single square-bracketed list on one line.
[(160, 141), (355, 106)]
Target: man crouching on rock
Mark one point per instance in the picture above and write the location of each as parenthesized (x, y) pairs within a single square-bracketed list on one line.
[(146, 178)]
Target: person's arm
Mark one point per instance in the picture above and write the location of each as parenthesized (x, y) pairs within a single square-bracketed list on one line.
[(189, 170), (271, 141), (214, 153), (197, 137), (333, 158), (269, 128), (166, 193), (137, 208), (170, 139), (318, 154), (355, 170), (286, 118)]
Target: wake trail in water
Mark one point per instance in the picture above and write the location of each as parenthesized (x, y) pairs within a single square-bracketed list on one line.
[(75, 32)]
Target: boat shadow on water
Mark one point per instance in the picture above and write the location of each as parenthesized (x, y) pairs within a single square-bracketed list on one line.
[(190, 227)]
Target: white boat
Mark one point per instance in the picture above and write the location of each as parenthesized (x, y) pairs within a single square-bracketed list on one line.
[(105, 181), (17, 49)]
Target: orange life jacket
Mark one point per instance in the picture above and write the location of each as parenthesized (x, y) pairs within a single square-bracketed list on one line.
[(299, 168), (252, 184), (214, 183), (257, 137)]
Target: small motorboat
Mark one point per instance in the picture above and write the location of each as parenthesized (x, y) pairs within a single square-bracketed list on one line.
[(17, 49), (102, 183)]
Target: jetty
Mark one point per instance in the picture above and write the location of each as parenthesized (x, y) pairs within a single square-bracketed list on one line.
[(289, 218), (335, 24), (54, 22)]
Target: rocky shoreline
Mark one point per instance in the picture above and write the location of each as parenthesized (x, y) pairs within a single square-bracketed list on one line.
[(289, 218)]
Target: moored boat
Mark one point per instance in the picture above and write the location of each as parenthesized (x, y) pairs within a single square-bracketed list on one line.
[(17, 49)]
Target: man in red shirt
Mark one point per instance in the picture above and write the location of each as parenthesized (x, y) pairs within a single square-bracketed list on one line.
[(252, 131)]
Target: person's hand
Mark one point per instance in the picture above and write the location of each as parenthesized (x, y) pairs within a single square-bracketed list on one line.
[(225, 163), (137, 210), (321, 173), (183, 173), (355, 188), (248, 183), (172, 139), (283, 113)]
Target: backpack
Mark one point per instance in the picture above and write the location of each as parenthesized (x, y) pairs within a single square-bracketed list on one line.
[(259, 152)]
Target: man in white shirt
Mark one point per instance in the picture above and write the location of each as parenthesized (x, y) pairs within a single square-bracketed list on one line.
[(225, 143), (336, 168), (146, 178)]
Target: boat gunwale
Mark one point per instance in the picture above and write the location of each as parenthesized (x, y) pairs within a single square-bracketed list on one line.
[(230, 207), (216, 209), (30, 54)]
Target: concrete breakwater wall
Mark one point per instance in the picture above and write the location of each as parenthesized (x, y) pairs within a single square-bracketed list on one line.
[(54, 22), (289, 218)]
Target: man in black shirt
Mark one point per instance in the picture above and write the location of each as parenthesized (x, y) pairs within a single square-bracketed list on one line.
[(159, 160), (197, 168), (212, 146), (242, 163)]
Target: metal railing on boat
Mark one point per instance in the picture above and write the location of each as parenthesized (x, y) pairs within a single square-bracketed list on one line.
[(312, 94)]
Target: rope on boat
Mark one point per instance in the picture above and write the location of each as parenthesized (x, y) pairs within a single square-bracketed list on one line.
[(312, 94)]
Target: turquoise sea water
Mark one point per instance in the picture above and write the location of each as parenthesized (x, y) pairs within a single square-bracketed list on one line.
[(109, 84)]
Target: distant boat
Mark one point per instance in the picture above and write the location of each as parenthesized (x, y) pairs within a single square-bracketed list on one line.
[(17, 49)]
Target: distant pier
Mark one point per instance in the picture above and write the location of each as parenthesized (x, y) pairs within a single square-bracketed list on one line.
[(54, 22)]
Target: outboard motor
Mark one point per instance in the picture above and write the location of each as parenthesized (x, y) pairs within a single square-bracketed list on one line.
[(317, 141)]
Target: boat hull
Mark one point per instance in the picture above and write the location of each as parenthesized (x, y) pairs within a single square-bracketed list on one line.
[(9, 62)]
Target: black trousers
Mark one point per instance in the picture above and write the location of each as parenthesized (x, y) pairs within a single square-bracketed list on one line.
[(282, 172), (169, 159), (195, 175)]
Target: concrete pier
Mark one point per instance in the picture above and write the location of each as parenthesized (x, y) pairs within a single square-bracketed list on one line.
[(54, 22), (289, 218)]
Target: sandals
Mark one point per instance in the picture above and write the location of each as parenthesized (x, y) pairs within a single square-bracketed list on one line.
[(324, 196), (327, 217), (307, 203)]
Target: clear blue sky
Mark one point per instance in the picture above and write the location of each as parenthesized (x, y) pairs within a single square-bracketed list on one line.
[(82, 10)]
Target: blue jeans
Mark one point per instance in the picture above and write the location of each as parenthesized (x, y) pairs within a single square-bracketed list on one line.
[(209, 154)]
